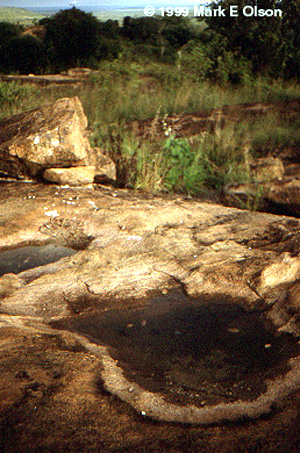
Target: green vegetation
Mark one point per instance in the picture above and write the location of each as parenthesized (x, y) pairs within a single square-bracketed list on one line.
[(162, 161), (123, 92), (222, 49), (150, 69)]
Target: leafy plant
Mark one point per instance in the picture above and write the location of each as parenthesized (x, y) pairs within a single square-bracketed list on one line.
[(183, 168), (215, 160)]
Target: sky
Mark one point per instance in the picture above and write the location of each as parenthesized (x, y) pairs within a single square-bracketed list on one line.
[(97, 4)]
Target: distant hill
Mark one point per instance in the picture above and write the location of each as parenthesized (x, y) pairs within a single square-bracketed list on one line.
[(26, 17), (19, 15), (118, 14)]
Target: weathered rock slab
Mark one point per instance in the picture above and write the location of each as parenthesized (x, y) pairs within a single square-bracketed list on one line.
[(132, 248), (267, 169)]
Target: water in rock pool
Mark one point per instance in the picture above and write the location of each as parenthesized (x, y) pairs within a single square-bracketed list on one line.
[(190, 350), (23, 258)]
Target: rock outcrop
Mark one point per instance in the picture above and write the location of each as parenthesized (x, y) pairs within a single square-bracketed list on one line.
[(131, 249), (47, 79), (105, 168), (275, 190), (267, 169), (53, 136)]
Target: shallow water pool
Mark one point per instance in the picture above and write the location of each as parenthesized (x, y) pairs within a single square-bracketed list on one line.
[(20, 259), (191, 350)]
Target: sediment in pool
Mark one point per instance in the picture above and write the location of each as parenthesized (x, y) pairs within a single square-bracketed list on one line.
[(181, 353)]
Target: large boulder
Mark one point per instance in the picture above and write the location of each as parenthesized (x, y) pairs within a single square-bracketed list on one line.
[(53, 136)]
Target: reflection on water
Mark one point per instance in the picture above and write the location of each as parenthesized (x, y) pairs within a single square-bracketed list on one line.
[(189, 350)]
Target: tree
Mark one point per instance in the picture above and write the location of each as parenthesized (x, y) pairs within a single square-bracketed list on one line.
[(71, 37), (141, 30), (176, 31), (108, 40), (257, 39), (290, 37)]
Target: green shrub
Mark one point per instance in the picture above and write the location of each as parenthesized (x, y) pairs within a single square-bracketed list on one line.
[(209, 61), (184, 171), (196, 62), (215, 160)]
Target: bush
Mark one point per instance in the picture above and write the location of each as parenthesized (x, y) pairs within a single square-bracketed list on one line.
[(23, 54), (196, 62), (214, 161), (209, 59), (232, 68)]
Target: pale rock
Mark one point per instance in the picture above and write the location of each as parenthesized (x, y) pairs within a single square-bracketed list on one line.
[(74, 176), (9, 283), (79, 72), (282, 273), (268, 169)]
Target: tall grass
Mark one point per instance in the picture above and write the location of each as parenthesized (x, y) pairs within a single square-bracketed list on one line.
[(124, 91), (274, 132), (211, 160), (15, 97), (127, 91)]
